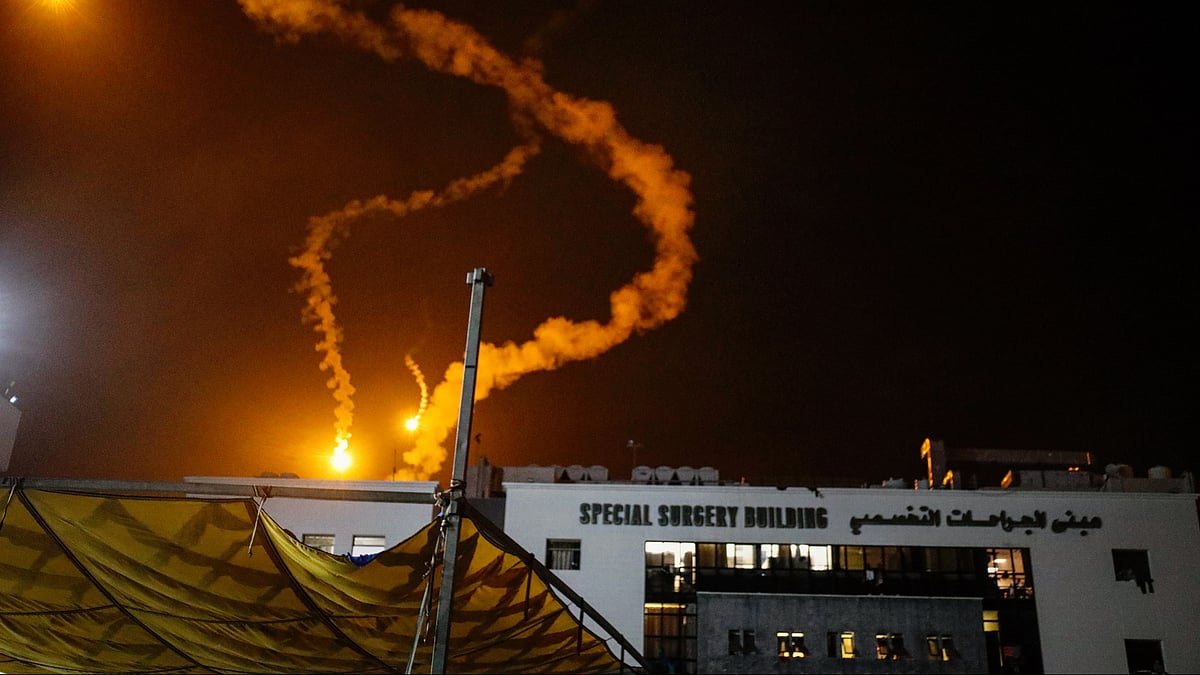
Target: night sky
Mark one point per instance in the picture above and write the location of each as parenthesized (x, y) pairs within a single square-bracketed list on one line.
[(960, 221)]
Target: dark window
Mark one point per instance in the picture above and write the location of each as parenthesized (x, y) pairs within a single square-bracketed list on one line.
[(1133, 565), (735, 641), (749, 646), (562, 554), (894, 558), (1144, 656), (898, 649)]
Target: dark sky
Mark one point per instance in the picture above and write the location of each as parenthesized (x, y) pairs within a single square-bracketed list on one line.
[(951, 220)]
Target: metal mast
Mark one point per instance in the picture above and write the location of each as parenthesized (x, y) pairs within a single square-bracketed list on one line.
[(478, 279)]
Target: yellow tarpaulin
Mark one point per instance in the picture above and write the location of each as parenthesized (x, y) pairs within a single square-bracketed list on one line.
[(96, 583)]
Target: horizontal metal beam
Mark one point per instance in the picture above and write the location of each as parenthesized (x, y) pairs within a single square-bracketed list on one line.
[(246, 490)]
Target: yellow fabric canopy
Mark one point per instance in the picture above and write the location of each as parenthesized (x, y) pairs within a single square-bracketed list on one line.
[(99, 583)]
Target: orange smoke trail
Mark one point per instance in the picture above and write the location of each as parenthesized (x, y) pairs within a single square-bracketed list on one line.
[(664, 199), (420, 378), (324, 233)]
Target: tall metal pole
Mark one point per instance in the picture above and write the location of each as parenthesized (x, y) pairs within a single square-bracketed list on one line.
[(478, 279)]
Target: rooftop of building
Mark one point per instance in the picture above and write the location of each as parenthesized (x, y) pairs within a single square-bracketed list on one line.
[(944, 468)]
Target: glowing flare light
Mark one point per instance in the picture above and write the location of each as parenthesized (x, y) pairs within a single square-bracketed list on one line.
[(341, 455)]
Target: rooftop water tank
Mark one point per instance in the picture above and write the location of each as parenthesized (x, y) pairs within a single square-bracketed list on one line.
[(1158, 472)]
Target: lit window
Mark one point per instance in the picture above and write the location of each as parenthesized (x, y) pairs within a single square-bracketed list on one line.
[(820, 556), (321, 541), (882, 649), (562, 554), (673, 554), (740, 556), (1133, 565), (991, 621), (366, 544), (1006, 568), (788, 556), (840, 645), (767, 555), (791, 645), (941, 648), (810, 557)]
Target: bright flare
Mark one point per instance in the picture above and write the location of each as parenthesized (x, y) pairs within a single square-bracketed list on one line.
[(340, 461), (341, 456), (412, 423)]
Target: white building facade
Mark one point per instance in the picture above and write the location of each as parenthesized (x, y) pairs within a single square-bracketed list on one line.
[(1106, 577), (740, 578)]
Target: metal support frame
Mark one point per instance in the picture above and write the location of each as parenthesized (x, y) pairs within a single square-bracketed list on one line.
[(478, 279)]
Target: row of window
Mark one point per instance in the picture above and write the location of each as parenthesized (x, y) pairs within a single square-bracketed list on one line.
[(842, 645), (674, 567), (360, 544), (1005, 565)]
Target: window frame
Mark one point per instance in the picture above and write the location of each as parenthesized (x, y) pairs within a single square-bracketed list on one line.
[(790, 644), (890, 646), (1133, 564), (836, 643), (557, 549), (367, 544), (310, 540), (749, 641), (1137, 651), (940, 647)]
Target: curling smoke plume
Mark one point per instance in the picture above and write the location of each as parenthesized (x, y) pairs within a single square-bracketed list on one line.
[(664, 201), (413, 368), (324, 233)]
